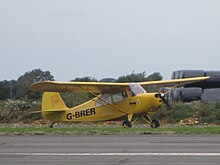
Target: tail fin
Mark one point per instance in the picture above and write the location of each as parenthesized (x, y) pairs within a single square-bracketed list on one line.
[(52, 101)]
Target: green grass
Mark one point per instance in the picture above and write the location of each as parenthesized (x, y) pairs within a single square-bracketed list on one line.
[(108, 130)]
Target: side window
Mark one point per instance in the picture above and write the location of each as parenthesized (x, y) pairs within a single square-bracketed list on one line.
[(100, 102), (111, 98), (119, 96)]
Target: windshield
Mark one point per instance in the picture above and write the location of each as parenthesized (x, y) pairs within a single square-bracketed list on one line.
[(136, 89)]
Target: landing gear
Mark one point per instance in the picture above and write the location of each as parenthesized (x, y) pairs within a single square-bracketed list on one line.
[(145, 117), (127, 123), (155, 124), (51, 126)]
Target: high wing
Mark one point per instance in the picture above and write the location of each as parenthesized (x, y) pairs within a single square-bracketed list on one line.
[(93, 87), (171, 83), (101, 87)]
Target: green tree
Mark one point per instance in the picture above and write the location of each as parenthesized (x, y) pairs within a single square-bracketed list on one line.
[(8, 89), (5, 90), (153, 77), (133, 77), (85, 79), (107, 80), (139, 77), (24, 82)]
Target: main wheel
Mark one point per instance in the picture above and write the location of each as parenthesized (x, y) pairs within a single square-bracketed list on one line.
[(155, 124), (126, 123)]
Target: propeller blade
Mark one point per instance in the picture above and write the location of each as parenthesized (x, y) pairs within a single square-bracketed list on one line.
[(166, 102)]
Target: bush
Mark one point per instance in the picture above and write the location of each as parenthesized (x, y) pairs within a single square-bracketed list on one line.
[(18, 110), (206, 113), (17, 105), (209, 113)]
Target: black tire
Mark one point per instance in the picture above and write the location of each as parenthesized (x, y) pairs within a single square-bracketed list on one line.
[(127, 123), (51, 125), (155, 124)]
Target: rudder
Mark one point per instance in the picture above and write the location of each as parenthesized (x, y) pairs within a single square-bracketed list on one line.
[(52, 101)]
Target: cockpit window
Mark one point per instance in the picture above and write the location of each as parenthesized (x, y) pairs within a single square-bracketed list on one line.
[(136, 89)]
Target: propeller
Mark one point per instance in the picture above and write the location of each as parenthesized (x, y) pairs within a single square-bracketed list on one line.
[(166, 102)]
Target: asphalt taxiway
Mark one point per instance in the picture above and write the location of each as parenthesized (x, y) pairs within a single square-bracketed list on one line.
[(112, 150)]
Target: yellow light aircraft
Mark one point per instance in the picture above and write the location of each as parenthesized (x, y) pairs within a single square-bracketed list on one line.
[(111, 100)]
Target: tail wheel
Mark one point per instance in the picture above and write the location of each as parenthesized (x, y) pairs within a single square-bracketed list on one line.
[(127, 123), (51, 125), (155, 124)]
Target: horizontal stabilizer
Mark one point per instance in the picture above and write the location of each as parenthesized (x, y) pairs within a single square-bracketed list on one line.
[(35, 112), (57, 110)]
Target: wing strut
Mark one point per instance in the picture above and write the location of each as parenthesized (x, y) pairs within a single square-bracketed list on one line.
[(171, 89)]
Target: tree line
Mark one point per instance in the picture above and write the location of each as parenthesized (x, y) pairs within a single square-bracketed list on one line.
[(19, 89)]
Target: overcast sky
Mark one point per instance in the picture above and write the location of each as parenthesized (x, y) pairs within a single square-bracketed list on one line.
[(108, 38)]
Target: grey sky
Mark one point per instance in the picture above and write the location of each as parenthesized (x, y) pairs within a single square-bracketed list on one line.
[(108, 38)]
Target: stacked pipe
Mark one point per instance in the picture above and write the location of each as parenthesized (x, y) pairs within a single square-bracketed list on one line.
[(206, 91)]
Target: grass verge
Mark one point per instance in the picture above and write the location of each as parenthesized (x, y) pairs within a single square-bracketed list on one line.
[(107, 131)]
